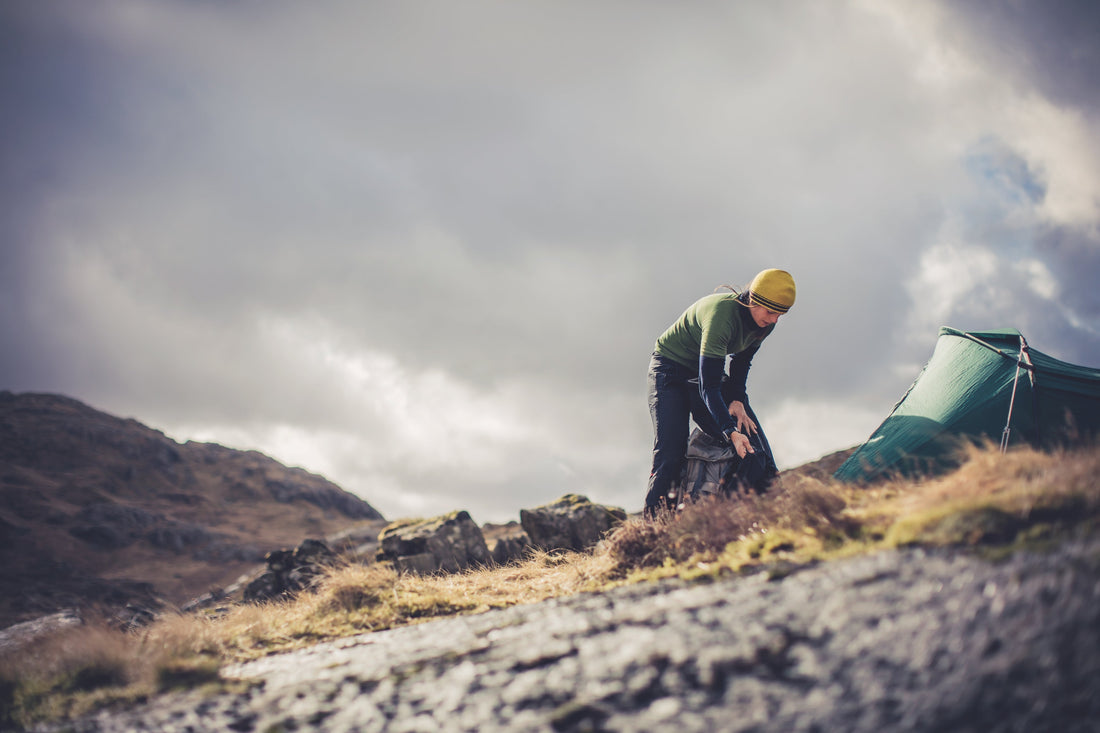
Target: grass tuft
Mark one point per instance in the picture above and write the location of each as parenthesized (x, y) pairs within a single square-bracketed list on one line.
[(68, 673)]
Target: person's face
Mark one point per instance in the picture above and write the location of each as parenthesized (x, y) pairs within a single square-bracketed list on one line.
[(763, 316)]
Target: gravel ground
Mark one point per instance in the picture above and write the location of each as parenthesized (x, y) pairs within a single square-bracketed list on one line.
[(899, 641)]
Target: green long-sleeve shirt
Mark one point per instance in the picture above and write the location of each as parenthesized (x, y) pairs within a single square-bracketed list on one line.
[(715, 325), (711, 328)]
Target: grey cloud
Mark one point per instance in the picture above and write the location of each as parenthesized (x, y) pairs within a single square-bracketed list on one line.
[(459, 188), (1052, 44)]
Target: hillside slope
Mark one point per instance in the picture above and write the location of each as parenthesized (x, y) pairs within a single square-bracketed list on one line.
[(96, 510)]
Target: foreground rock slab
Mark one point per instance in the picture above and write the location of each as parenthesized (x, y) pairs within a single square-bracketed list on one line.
[(898, 641)]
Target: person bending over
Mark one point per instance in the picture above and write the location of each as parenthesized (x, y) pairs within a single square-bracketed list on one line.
[(688, 380)]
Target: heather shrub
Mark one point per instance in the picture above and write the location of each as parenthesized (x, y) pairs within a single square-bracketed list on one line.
[(703, 529)]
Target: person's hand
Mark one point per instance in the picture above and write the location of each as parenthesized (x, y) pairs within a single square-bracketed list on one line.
[(744, 422), (741, 444)]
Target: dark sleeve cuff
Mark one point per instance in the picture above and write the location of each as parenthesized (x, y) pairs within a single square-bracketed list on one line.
[(735, 387), (711, 371)]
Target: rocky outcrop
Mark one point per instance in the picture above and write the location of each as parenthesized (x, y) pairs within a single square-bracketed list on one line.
[(448, 543), (570, 523), (19, 635), (135, 616), (358, 543), (290, 571), (453, 542), (507, 542)]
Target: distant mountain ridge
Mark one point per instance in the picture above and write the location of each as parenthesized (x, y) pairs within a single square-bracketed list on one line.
[(97, 510)]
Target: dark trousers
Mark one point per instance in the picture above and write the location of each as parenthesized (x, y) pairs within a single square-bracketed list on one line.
[(674, 400)]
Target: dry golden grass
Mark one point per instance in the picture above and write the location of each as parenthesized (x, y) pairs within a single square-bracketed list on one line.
[(355, 598), (992, 499), (1002, 494), (81, 669)]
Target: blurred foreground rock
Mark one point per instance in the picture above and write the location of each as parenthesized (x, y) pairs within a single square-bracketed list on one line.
[(570, 523)]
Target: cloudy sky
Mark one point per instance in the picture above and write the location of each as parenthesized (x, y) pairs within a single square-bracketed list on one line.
[(424, 248)]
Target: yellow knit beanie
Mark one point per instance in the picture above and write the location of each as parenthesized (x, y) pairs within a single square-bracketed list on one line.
[(773, 289)]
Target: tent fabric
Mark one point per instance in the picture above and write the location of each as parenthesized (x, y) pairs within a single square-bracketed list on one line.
[(975, 385)]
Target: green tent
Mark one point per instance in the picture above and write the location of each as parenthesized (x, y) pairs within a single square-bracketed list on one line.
[(980, 385)]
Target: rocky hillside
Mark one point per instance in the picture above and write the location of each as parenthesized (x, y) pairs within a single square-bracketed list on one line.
[(98, 511)]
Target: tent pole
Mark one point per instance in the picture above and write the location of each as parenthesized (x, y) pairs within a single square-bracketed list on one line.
[(1012, 400), (1033, 378)]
